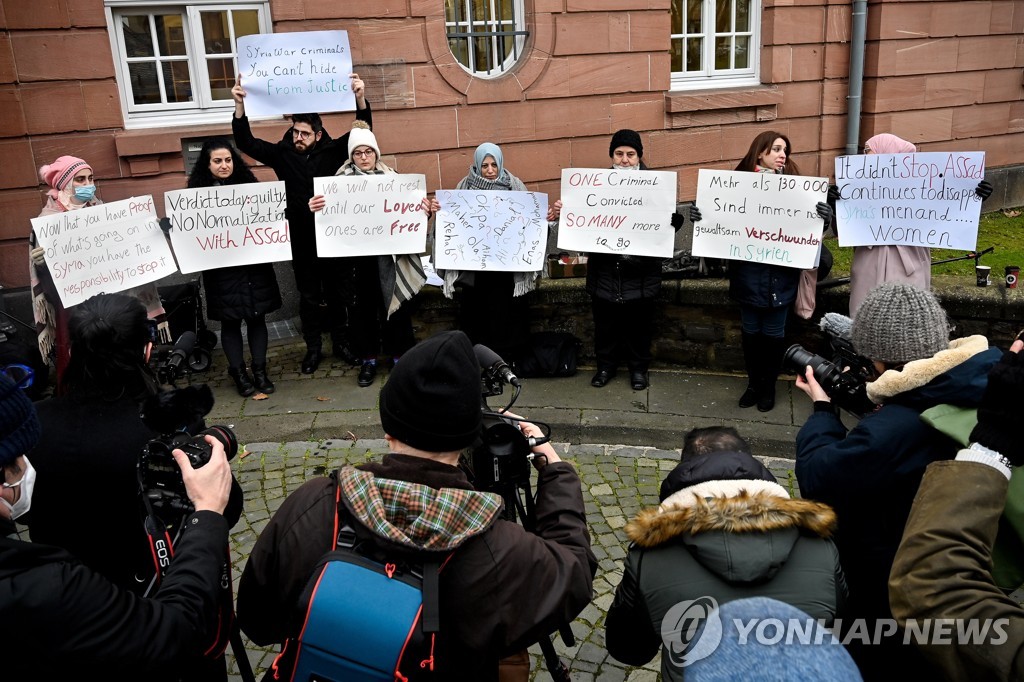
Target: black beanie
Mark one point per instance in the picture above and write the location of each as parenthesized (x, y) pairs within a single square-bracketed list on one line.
[(432, 399), (19, 426), (626, 138)]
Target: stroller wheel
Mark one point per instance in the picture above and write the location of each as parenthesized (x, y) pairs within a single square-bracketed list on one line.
[(208, 339), (200, 360)]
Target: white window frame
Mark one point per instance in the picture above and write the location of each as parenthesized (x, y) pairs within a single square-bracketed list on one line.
[(203, 109), (490, 25), (710, 77)]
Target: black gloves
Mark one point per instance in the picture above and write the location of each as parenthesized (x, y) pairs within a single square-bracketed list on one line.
[(1000, 427), (695, 216), (833, 194), (165, 224), (824, 210), (983, 190), (677, 221)]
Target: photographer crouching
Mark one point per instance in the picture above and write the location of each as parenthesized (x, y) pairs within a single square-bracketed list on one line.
[(870, 474), (93, 437)]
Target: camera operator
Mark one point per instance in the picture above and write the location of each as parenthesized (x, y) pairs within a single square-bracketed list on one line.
[(502, 589), (60, 619), (870, 474)]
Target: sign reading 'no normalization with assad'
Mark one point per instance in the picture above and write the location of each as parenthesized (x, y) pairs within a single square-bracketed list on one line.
[(617, 211), (285, 73), (925, 199), (759, 217)]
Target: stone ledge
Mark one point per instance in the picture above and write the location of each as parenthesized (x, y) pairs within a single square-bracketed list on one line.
[(735, 98)]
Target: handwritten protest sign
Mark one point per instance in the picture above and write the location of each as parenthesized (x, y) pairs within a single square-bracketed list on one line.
[(759, 217), (369, 215), (104, 249), (924, 199), (488, 230), (215, 227), (284, 73), (617, 211)]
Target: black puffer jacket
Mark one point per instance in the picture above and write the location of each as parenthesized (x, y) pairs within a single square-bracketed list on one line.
[(241, 291)]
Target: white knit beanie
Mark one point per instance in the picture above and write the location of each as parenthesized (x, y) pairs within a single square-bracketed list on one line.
[(361, 136)]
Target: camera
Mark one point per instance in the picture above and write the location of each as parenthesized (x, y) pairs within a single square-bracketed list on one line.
[(172, 414), (847, 389)]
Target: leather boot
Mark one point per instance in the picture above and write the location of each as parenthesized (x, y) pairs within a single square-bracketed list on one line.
[(260, 378), (773, 349), (751, 359), (243, 382)]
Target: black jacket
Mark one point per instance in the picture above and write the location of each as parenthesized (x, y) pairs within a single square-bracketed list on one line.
[(59, 620), (297, 171)]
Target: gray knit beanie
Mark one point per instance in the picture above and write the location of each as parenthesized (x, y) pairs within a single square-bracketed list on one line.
[(898, 323)]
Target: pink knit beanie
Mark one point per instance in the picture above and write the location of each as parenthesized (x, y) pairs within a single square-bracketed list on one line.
[(58, 174)]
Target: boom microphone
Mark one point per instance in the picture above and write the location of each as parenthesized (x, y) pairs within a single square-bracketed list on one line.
[(837, 325), (181, 352), (492, 362)]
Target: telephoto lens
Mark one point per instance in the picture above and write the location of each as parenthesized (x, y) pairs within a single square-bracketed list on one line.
[(827, 374)]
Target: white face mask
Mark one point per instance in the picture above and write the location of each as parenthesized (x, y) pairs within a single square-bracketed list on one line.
[(27, 483)]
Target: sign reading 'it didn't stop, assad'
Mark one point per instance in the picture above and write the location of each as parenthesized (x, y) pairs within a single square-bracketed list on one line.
[(617, 211)]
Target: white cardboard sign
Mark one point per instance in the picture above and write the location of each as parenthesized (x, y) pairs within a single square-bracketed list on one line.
[(104, 249), (759, 217), (617, 211), (216, 227), (924, 199), (370, 215), (285, 73), (490, 230)]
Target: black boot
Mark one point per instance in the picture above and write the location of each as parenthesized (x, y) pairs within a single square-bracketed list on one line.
[(260, 378), (751, 359), (312, 359), (243, 382), (773, 349)]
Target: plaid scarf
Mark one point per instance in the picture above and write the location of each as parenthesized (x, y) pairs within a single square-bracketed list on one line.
[(401, 276)]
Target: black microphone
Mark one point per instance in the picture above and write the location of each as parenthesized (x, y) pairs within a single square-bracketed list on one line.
[(491, 361), (181, 352)]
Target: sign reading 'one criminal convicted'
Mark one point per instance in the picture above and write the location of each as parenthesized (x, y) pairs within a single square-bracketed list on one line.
[(370, 215), (489, 230), (925, 199), (284, 73), (617, 211), (759, 217), (215, 227), (104, 249)]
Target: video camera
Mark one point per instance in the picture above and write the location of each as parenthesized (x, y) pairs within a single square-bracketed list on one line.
[(844, 378), (172, 413), (169, 362)]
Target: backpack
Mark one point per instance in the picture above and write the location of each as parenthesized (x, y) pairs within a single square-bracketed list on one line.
[(549, 354), (364, 619)]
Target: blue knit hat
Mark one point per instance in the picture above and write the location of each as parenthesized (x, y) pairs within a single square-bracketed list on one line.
[(19, 426)]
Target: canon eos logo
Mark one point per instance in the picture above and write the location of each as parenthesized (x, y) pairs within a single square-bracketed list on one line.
[(163, 554), (680, 624)]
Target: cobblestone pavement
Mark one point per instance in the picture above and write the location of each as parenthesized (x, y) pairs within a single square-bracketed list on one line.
[(618, 481)]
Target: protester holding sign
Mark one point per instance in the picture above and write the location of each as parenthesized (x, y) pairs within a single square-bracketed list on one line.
[(874, 264), (72, 187), (241, 292), (624, 290), (304, 152), (384, 284), (765, 291), (492, 309)]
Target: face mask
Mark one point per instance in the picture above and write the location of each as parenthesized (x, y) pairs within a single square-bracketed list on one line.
[(85, 193), (27, 483)]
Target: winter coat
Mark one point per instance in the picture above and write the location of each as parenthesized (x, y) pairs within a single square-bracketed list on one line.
[(870, 475), (622, 278), (84, 443), (297, 172), (59, 620), (942, 571), (727, 539), (874, 265), (502, 590)]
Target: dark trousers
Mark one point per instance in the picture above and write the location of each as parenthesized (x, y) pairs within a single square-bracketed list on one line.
[(322, 281), (622, 331), (490, 315), (371, 329)]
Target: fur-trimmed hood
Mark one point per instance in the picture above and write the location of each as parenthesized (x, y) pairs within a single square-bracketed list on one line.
[(953, 376), (742, 530)]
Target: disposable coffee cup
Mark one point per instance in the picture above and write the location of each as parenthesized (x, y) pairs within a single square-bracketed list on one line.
[(1012, 274), (983, 272)]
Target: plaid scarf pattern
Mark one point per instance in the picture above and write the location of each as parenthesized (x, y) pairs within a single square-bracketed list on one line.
[(415, 515)]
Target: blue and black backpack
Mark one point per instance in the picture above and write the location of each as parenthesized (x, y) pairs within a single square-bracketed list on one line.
[(365, 618)]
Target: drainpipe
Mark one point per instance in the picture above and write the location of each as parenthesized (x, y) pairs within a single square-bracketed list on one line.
[(853, 100)]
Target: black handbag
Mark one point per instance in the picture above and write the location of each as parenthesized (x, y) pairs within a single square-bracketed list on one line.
[(549, 354)]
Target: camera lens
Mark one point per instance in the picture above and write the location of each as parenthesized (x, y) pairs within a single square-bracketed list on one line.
[(797, 358), (226, 437)]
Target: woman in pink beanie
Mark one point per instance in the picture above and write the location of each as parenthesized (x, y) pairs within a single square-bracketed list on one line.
[(72, 184)]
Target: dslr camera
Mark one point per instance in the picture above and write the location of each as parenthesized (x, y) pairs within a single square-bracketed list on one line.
[(172, 414), (848, 389)]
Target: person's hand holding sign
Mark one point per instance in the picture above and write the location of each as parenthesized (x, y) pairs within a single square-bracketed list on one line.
[(357, 90)]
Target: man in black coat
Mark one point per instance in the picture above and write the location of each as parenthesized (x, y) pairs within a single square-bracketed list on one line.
[(304, 152)]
